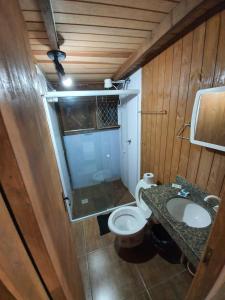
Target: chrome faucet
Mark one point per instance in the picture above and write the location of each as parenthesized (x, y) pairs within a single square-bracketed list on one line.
[(215, 207)]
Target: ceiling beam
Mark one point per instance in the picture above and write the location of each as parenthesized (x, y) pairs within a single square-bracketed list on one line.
[(48, 18), (182, 18)]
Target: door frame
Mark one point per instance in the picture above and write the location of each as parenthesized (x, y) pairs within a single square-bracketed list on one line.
[(67, 197)]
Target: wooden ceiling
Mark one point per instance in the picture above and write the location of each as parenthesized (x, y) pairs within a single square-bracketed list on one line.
[(108, 38), (98, 36)]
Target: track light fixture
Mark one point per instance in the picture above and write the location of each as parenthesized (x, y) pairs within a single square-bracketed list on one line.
[(57, 56)]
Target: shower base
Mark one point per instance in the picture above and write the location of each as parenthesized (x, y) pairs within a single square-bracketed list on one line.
[(100, 197)]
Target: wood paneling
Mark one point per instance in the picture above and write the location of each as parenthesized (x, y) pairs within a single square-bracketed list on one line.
[(143, 28), (95, 9), (193, 62), (18, 277), (105, 25), (152, 5), (184, 17), (64, 28), (29, 173)]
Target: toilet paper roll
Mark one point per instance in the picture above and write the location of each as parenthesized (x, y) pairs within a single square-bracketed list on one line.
[(148, 178)]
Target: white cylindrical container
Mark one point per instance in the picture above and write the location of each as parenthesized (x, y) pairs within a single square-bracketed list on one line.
[(148, 178), (107, 83)]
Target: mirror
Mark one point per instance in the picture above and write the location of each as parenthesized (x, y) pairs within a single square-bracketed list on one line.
[(208, 119)]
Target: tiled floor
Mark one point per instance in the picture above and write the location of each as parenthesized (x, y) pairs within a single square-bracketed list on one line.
[(107, 277), (100, 197)]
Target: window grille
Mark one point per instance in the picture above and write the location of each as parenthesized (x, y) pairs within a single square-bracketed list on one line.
[(106, 112), (92, 113)]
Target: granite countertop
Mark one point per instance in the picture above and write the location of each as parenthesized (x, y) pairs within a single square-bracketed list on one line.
[(190, 240)]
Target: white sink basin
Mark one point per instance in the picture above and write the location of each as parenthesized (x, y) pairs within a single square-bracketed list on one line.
[(184, 210)]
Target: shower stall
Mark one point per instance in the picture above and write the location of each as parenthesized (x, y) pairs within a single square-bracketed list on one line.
[(89, 134)]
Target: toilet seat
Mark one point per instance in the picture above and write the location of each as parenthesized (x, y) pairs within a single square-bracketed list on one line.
[(127, 220)]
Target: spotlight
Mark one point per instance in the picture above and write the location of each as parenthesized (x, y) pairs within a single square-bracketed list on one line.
[(67, 81)]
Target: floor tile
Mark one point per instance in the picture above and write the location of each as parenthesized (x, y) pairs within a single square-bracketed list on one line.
[(92, 237), (106, 276), (158, 270), (111, 277), (175, 288), (83, 264)]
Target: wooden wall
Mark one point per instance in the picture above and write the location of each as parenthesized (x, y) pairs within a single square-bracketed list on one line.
[(29, 174), (170, 82)]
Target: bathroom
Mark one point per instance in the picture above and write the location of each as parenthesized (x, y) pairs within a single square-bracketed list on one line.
[(112, 154)]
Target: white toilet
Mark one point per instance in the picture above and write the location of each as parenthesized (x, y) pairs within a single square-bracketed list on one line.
[(128, 222)]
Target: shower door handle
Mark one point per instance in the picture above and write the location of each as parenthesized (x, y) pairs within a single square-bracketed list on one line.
[(129, 142)]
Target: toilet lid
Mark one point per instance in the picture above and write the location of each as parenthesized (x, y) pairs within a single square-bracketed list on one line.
[(146, 211)]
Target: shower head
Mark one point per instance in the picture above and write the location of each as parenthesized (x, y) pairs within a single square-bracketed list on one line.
[(108, 83)]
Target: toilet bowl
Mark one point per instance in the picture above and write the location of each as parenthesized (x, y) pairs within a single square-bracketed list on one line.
[(128, 222)]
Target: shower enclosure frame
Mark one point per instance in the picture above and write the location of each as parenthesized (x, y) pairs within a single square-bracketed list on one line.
[(53, 96)]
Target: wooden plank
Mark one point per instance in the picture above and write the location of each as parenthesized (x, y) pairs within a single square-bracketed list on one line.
[(217, 174), (74, 59), (71, 49), (5, 292), (89, 53), (159, 107), (113, 31), (48, 18), (30, 178), (166, 105), (183, 16), (29, 5), (78, 65), (79, 70), (173, 108), (147, 90), (96, 9), (146, 5), (149, 129), (86, 44), (153, 107), (182, 101), (60, 18), (147, 77), (100, 21), (36, 26), (14, 260), (160, 5), (208, 68), (89, 37), (194, 85), (82, 29)]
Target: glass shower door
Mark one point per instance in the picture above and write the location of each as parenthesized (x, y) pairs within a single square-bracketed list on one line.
[(91, 137)]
